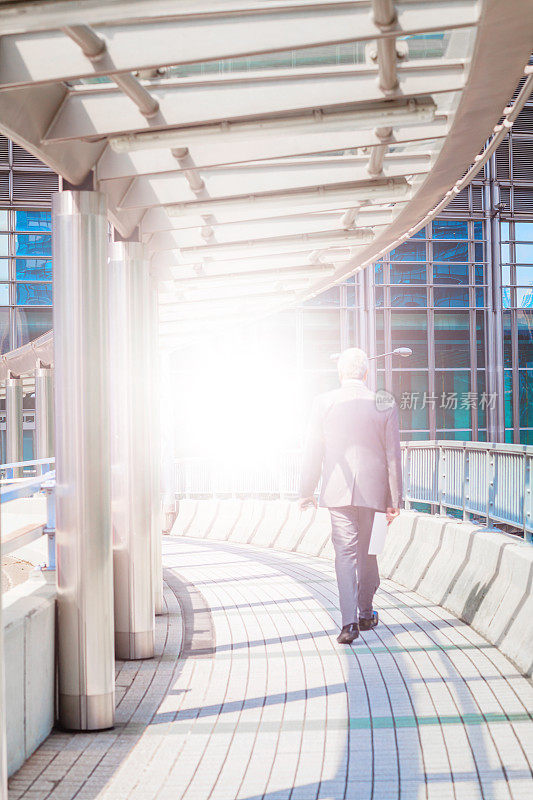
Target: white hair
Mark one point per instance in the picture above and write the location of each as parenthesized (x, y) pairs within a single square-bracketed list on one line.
[(353, 363)]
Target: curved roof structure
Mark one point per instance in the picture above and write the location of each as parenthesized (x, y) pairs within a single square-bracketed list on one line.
[(262, 149)]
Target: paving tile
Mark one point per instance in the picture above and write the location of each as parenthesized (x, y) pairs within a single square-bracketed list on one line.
[(249, 697)]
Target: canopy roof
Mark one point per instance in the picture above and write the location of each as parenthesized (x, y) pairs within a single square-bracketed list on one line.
[(263, 149)]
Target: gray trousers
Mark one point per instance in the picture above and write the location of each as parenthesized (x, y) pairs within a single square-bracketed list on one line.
[(357, 572)]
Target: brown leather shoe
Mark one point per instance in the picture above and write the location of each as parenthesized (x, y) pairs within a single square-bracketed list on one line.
[(368, 624), (348, 634)]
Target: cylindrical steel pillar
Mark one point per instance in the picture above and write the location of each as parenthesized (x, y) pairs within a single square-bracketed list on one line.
[(131, 475), (83, 504), (44, 413), (3, 740), (155, 450), (14, 434)]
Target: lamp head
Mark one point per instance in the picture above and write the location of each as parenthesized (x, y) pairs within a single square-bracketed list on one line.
[(403, 351)]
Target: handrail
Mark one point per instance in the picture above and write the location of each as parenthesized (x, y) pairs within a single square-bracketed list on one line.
[(482, 481), (485, 481), (8, 470), (20, 488), (25, 487)]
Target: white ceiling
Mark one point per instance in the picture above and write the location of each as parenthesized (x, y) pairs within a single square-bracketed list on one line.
[(262, 149)]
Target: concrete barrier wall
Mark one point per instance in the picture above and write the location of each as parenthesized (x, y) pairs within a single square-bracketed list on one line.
[(484, 577), (28, 615), (263, 523)]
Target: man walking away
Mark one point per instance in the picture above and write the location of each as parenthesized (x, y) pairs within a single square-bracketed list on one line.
[(353, 442)]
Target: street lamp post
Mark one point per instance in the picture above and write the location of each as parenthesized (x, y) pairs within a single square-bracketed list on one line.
[(404, 352)]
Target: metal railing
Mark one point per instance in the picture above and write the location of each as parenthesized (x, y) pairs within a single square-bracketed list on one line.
[(277, 476), (24, 469), (488, 482), (17, 488)]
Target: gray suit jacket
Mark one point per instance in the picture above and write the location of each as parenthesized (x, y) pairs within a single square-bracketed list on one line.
[(355, 444)]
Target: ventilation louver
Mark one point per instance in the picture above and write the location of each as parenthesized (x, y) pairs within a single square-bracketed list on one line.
[(460, 202), (23, 159), (4, 151), (4, 187), (522, 164), (523, 200), (502, 161), (35, 187)]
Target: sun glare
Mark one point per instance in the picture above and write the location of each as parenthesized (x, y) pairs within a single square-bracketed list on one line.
[(235, 406)]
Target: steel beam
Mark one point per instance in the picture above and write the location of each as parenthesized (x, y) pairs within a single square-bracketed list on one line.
[(25, 115), (86, 693), (44, 413), (134, 89), (223, 151), (376, 161), (157, 220), (251, 277), (243, 265), (57, 13), (259, 229), (171, 261), (364, 193), (236, 133), (91, 45), (226, 311), (195, 38), (131, 485), (265, 179), (191, 239), (199, 293), (344, 249), (94, 49), (102, 111), (279, 244)]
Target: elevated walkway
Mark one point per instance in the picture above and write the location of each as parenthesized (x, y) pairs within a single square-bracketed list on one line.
[(263, 703)]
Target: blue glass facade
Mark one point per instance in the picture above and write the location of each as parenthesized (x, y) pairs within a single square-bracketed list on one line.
[(25, 262), (25, 275), (429, 294)]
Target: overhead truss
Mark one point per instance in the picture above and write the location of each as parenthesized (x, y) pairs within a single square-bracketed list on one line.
[(262, 150)]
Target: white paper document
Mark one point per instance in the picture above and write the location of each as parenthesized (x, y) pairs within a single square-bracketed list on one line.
[(379, 533)]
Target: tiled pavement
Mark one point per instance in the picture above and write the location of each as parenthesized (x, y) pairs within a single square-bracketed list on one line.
[(263, 702)]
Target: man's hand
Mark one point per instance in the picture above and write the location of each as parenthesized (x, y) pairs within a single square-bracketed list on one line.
[(391, 514), (307, 502)]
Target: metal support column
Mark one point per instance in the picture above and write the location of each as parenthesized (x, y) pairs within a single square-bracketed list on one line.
[(155, 454), (83, 506), (494, 316), (44, 413), (370, 323), (3, 740), (131, 476), (14, 433)]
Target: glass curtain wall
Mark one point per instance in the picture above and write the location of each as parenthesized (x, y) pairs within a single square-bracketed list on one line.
[(513, 176), (26, 186), (429, 294)]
